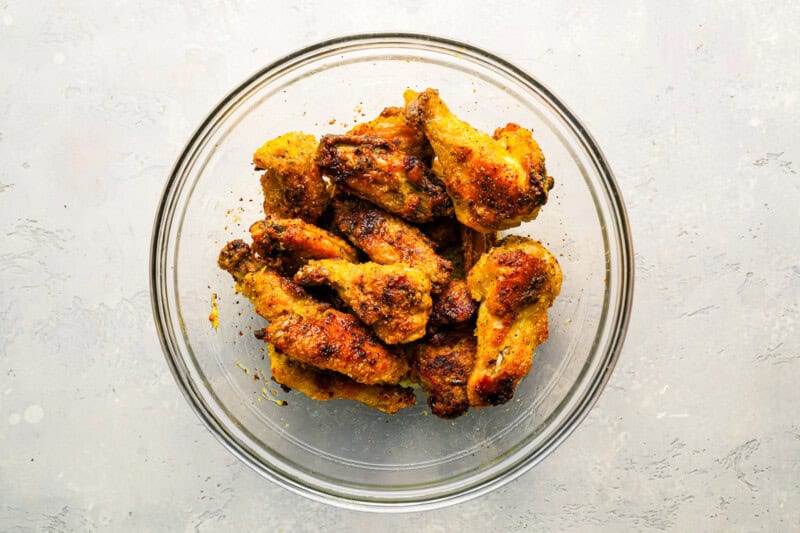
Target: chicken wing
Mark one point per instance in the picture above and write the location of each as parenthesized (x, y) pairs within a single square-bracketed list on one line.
[(332, 340), (393, 299), (292, 184), (442, 366), (325, 385), (306, 329), (453, 305), (299, 239), (516, 283), (387, 240), (494, 183), (391, 126), (373, 169)]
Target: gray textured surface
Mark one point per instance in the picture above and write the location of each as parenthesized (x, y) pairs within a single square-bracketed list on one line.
[(697, 111)]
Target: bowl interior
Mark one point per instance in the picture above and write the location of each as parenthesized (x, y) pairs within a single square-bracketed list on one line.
[(341, 449)]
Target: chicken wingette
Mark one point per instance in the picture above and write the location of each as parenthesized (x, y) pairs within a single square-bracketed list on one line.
[(299, 239), (392, 299), (388, 240), (292, 184), (442, 366), (516, 282), (325, 385), (391, 126), (494, 182), (336, 341), (308, 330), (373, 169)]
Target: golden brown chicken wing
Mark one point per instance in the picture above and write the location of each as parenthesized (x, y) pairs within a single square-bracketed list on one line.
[(516, 283), (388, 240), (300, 240), (453, 305), (391, 126), (442, 366), (325, 385), (495, 183), (373, 169), (393, 299), (336, 341), (292, 184)]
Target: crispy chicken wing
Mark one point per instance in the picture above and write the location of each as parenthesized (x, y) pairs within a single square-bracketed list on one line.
[(453, 305), (393, 299), (325, 385), (391, 126), (299, 239), (495, 183), (387, 240), (442, 366), (292, 184), (516, 283), (337, 341), (373, 169), (306, 329)]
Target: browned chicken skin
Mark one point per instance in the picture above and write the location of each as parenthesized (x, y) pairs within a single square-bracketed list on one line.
[(388, 240), (453, 305), (391, 126), (393, 299), (271, 294), (373, 169), (300, 240), (292, 184), (442, 366), (516, 283), (306, 329), (337, 341), (495, 182), (325, 385)]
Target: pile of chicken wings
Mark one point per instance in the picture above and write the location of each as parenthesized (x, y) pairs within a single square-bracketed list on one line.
[(378, 265)]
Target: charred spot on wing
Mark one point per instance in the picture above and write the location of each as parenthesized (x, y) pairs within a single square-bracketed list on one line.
[(496, 391)]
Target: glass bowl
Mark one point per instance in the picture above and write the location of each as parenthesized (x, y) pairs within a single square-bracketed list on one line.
[(339, 451)]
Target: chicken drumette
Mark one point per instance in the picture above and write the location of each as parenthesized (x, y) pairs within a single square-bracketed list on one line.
[(494, 182), (292, 184), (516, 283)]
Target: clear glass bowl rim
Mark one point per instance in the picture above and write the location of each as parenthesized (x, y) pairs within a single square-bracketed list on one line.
[(619, 321)]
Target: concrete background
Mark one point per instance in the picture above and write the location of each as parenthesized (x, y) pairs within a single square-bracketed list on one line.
[(697, 109)]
